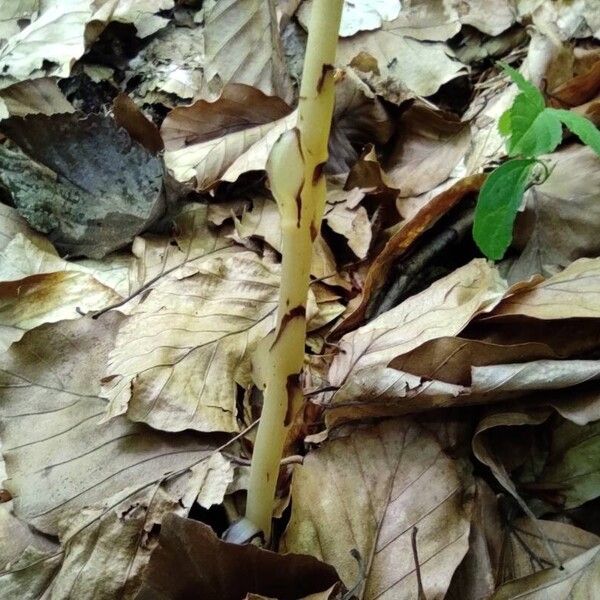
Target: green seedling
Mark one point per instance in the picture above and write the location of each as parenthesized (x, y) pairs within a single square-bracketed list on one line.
[(531, 130)]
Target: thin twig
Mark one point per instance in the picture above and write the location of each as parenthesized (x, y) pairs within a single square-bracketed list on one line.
[(413, 540)]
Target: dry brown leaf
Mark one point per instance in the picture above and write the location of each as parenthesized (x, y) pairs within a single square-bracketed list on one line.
[(445, 308), (181, 354), (264, 222), (431, 64), (141, 14), (140, 128), (48, 298), (495, 453), (12, 14), (101, 488), (367, 492), (191, 561), (404, 240), (560, 220), (56, 37), (429, 147), (525, 552), (579, 577), (239, 107), (572, 293), (579, 89), (227, 157), (242, 45), (361, 16), (37, 96), (350, 221)]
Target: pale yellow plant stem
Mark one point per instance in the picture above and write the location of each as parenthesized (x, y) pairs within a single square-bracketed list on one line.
[(295, 172)]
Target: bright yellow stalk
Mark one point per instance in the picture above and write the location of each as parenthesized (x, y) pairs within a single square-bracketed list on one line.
[(295, 172)]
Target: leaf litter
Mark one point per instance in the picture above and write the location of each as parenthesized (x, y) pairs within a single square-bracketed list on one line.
[(448, 446)]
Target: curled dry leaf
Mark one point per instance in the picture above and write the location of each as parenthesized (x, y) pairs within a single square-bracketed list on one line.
[(190, 561), (402, 241), (239, 107), (100, 488), (140, 128), (100, 188), (560, 296), (14, 13), (445, 308), (397, 475), (242, 45), (47, 298), (141, 14)]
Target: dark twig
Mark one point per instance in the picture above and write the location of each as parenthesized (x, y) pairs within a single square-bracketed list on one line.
[(413, 540)]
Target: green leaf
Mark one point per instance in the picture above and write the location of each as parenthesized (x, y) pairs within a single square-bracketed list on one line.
[(497, 206), (527, 88), (583, 128), (533, 138), (531, 131)]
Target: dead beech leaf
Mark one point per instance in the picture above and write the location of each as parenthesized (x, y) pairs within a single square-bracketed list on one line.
[(429, 147), (351, 222), (431, 63), (141, 14), (178, 357), (242, 45), (14, 12), (445, 308), (23, 258), (363, 16), (264, 222), (97, 189), (100, 487), (580, 89), (190, 561), (239, 107), (451, 359), (379, 483), (403, 240), (228, 156), (560, 296), (576, 578), (559, 223), (36, 96), (525, 552), (139, 127), (47, 298), (56, 36)]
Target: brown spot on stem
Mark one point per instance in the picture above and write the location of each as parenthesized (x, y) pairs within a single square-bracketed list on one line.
[(313, 231), (327, 69), (290, 315), (293, 387), (299, 207), (318, 173)]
